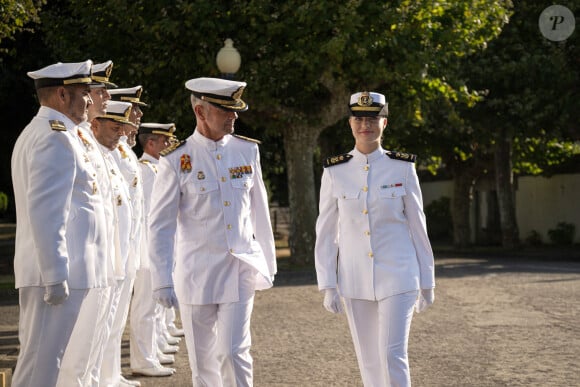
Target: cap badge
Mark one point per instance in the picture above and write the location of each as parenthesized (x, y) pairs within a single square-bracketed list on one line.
[(237, 95), (200, 175), (365, 99), (185, 163)]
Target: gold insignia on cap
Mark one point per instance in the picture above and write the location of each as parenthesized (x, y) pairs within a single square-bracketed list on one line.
[(57, 125), (365, 99), (237, 95), (108, 71)]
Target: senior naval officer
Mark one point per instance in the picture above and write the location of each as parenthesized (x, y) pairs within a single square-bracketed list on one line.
[(211, 214)]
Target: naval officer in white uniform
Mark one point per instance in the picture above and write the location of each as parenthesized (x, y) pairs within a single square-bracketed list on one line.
[(372, 247), (144, 356), (211, 214), (62, 265)]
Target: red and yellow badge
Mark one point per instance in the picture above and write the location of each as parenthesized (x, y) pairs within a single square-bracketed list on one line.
[(123, 152), (185, 163)]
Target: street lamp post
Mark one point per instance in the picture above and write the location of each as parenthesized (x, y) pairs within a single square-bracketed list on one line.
[(228, 59)]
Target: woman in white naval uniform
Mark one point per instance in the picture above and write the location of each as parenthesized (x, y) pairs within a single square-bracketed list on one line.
[(372, 246)]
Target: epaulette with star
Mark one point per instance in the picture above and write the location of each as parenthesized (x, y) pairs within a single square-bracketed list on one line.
[(57, 125), (247, 139), (335, 160), (171, 148), (402, 156)]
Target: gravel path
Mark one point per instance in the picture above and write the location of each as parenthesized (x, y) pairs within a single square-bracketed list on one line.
[(495, 322)]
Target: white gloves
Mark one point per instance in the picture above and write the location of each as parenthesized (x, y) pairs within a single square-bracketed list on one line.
[(425, 300), (332, 301), (56, 294), (166, 297)]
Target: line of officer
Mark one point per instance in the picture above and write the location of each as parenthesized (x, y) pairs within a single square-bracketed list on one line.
[(62, 267), (372, 246)]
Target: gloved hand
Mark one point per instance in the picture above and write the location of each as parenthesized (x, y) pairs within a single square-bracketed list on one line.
[(332, 301), (425, 300), (166, 297), (56, 294)]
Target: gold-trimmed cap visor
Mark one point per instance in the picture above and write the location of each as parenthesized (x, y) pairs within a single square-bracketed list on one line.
[(101, 73), (118, 111), (223, 93), (156, 128), (368, 104), (62, 74), (131, 94)]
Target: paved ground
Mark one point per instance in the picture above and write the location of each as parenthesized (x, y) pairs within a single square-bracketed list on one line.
[(495, 322)]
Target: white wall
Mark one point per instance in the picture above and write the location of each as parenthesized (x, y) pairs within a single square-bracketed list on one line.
[(540, 202), (543, 202)]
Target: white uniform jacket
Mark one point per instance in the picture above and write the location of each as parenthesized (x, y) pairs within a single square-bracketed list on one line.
[(210, 208), (148, 166), (372, 238), (62, 229), (129, 166), (123, 213)]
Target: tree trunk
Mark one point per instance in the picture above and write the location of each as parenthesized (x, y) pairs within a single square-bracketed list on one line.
[(504, 180), (462, 184), (299, 147)]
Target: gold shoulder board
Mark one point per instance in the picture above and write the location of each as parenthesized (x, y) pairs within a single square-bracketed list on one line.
[(171, 148), (335, 160), (247, 139), (57, 125), (402, 156)]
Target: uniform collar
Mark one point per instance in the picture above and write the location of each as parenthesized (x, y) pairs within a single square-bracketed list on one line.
[(104, 149), (51, 114), (208, 143), (368, 158), (148, 157)]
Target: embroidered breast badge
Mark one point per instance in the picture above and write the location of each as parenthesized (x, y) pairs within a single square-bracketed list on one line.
[(185, 163)]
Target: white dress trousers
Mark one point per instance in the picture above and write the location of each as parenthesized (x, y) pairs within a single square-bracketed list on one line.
[(121, 293), (143, 323)]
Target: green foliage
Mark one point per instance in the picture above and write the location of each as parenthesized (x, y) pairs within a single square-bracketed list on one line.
[(16, 16), (439, 222), (3, 202), (536, 155), (563, 234)]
